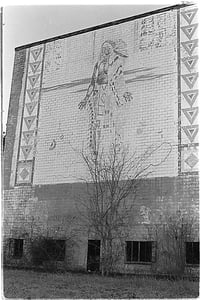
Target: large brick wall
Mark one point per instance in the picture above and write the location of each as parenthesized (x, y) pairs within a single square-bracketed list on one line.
[(54, 211), (147, 120), (142, 99), (14, 117), (147, 106)]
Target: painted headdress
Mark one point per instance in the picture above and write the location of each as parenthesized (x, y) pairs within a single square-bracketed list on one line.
[(119, 47)]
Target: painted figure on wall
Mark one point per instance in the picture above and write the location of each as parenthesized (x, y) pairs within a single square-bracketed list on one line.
[(106, 91)]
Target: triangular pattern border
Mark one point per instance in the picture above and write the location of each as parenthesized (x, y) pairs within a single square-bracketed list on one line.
[(28, 135), (186, 46), (186, 60), (186, 17), (34, 66), (190, 100), (29, 124), (188, 33), (26, 153), (190, 83), (30, 107), (36, 52), (187, 129), (190, 118)]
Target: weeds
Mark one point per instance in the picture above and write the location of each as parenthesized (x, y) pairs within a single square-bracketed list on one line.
[(30, 284)]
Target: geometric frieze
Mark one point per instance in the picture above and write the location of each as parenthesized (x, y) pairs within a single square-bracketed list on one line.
[(33, 79), (24, 170), (190, 62), (190, 113), (30, 115), (36, 52), (191, 131), (189, 15), (31, 93), (28, 135), (26, 150), (189, 30), (189, 159), (189, 46), (34, 66), (29, 121), (24, 173), (190, 96), (30, 107), (190, 79)]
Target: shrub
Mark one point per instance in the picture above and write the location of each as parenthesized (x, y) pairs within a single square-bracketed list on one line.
[(45, 251)]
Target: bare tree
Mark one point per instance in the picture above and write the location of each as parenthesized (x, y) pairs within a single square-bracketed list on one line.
[(43, 245), (113, 178), (176, 229)]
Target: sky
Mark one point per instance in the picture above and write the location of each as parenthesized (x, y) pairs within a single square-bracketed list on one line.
[(26, 24)]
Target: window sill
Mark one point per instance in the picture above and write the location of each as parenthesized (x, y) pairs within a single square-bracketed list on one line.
[(137, 263), (192, 265)]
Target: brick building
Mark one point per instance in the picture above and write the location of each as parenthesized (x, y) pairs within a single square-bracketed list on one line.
[(146, 95)]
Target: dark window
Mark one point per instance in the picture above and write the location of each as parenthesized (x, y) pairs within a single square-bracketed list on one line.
[(17, 248), (55, 249), (192, 253), (138, 251)]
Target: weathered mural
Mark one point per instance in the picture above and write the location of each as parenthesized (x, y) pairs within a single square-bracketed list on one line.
[(135, 81), (118, 82), (106, 91)]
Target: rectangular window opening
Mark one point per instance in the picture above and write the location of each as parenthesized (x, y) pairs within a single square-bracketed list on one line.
[(192, 253), (138, 251), (18, 248)]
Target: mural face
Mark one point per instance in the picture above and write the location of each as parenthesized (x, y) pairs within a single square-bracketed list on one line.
[(106, 91), (118, 82)]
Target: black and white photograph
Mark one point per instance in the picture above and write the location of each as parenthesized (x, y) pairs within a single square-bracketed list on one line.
[(99, 151)]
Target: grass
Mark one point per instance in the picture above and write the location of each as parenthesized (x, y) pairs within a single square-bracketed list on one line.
[(30, 284)]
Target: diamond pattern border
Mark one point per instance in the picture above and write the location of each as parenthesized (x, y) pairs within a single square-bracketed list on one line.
[(26, 151), (188, 158)]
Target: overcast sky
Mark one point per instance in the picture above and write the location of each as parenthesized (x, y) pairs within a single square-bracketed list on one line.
[(27, 24)]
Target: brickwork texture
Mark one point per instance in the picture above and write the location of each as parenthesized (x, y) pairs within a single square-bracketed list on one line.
[(134, 82)]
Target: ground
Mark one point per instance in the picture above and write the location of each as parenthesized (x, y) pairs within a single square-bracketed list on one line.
[(30, 284)]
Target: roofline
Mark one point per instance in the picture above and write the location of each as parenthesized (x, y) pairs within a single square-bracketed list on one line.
[(177, 6)]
